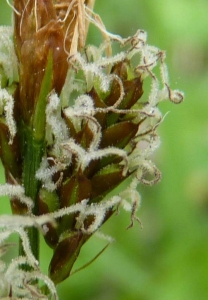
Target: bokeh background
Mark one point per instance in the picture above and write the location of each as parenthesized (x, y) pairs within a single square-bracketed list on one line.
[(168, 258)]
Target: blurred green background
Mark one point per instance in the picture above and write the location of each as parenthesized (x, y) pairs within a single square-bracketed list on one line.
[(168, 258)]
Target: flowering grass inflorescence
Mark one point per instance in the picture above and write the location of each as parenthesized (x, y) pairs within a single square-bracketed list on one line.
[(74, 125)]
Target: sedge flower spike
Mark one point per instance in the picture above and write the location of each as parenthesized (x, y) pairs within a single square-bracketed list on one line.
[(75, 123)]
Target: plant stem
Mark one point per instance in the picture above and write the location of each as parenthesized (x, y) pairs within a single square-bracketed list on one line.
[(32, 157), (33, 149)]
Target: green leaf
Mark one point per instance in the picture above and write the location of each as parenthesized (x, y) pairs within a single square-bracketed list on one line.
[(39, 117)]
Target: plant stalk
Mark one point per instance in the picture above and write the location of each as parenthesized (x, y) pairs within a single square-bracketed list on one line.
[(33, 152)]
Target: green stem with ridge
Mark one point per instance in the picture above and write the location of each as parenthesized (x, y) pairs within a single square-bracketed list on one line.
[(33, 137), (32, 158)]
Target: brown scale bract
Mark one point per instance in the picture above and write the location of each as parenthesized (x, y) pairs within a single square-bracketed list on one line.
[(43, 28)]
